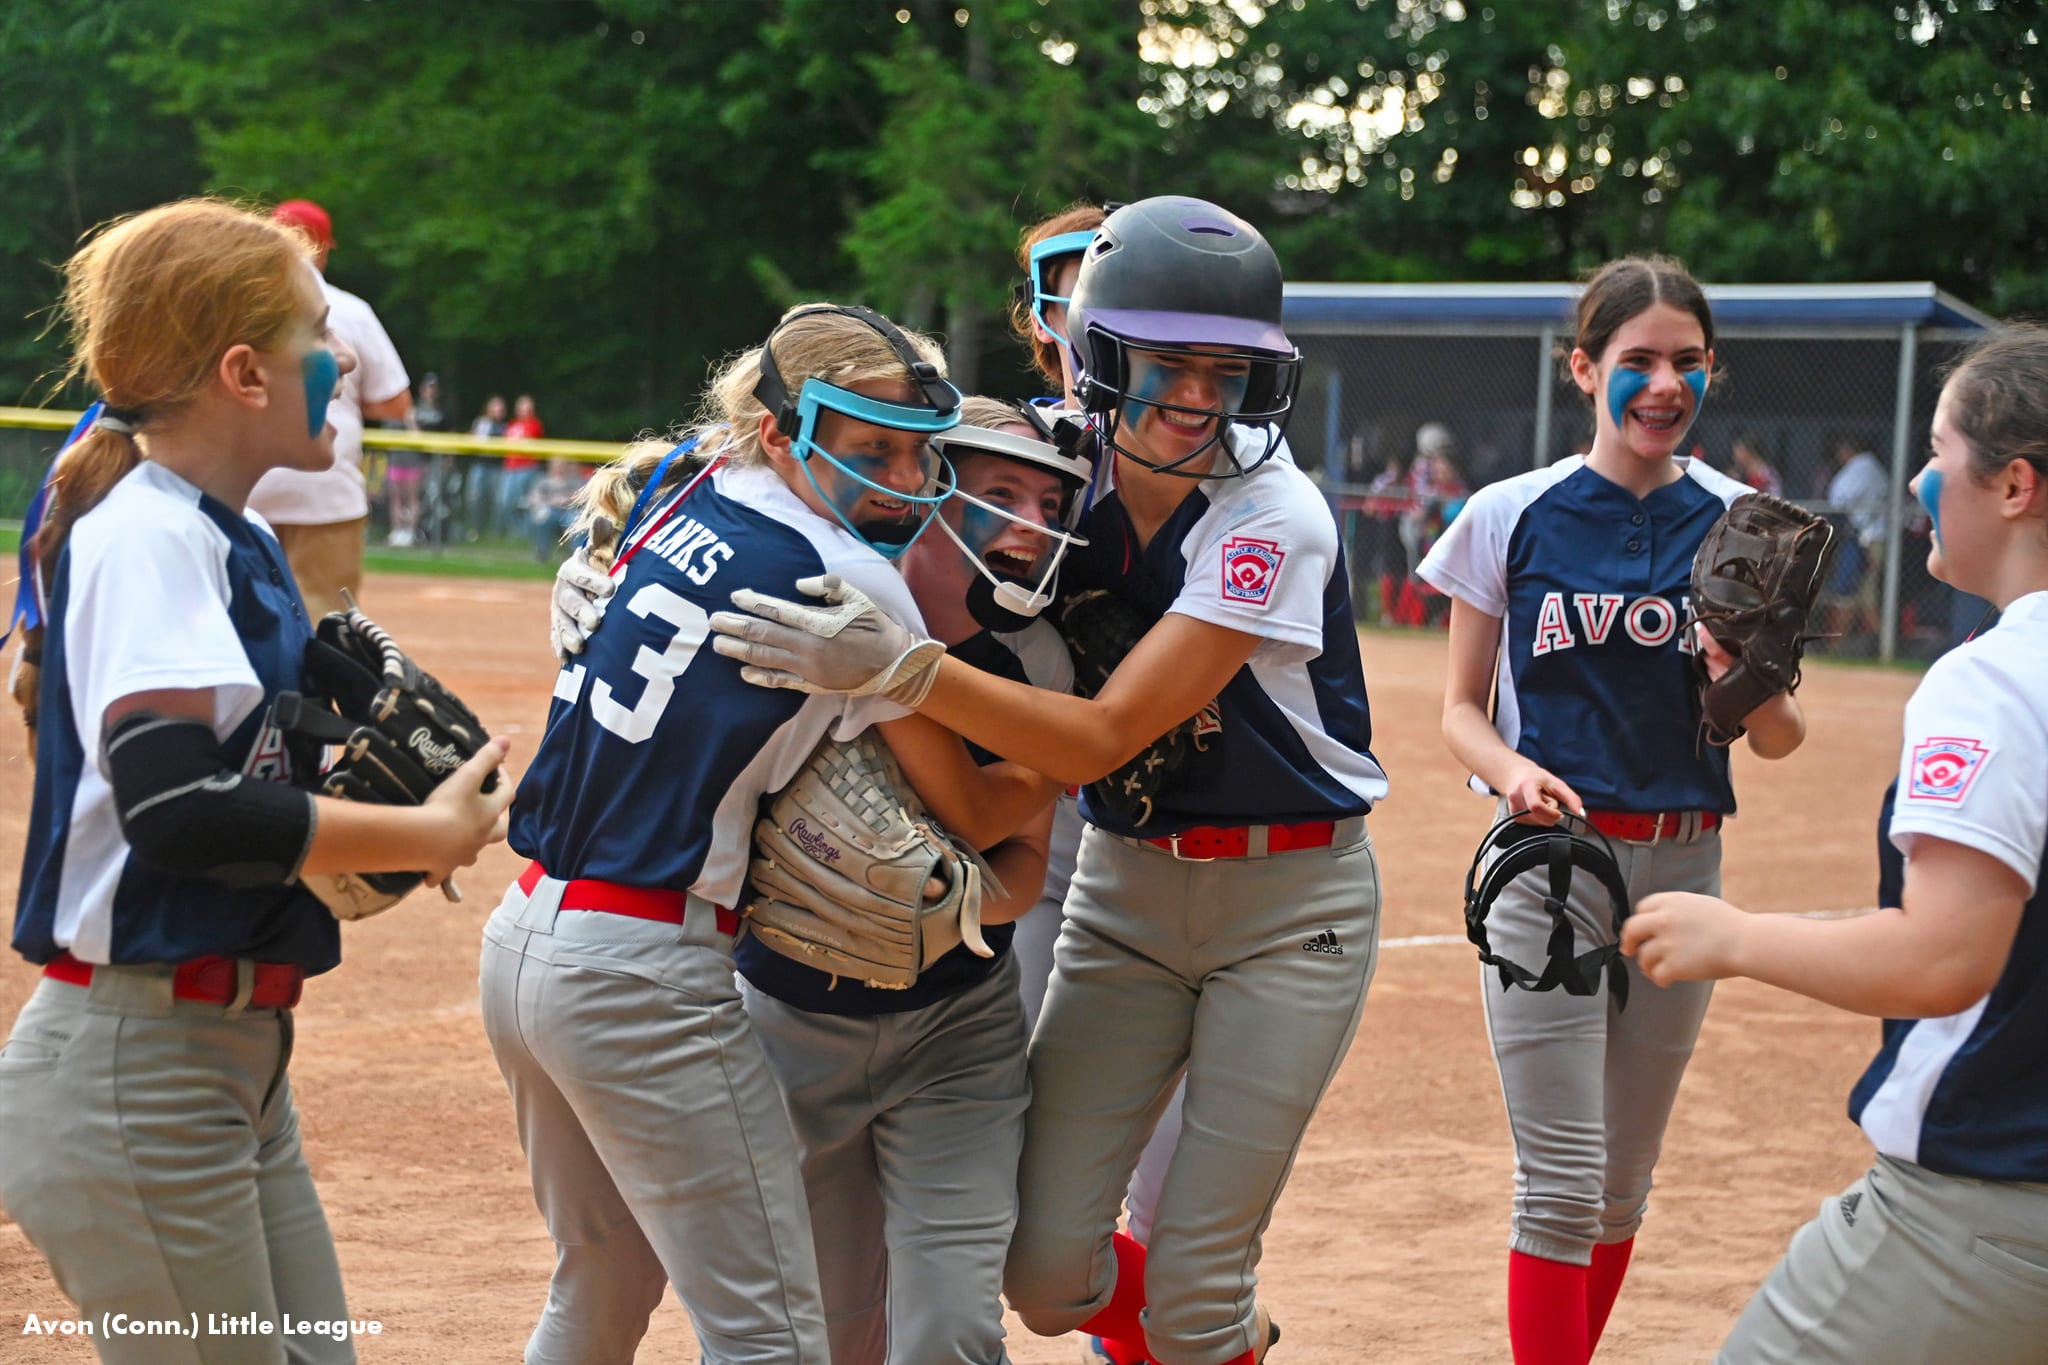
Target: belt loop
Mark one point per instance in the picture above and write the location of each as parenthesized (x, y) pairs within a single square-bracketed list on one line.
[(245, 985), (1693, 825), (1258, 841), (543, 903), (1348, 834)]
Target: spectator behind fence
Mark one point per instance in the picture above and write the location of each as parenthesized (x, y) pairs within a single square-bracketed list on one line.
[(404, 471), (520, 470), (1859, 493), (548, 505), (1754, 467), (321, 517)]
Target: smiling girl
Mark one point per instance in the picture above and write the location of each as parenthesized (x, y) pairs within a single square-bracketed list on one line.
[(1569, 589), (1940, 1251)]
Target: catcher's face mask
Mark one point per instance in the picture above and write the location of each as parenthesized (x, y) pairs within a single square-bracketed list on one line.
[(1557, 850), (1046, 260), (1026, 484)]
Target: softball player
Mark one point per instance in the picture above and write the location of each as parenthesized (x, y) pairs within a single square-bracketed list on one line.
[(1940, 1251), (908, 1105), (1235, 934), (1568, 588), (152, 1150), (657, 1141)]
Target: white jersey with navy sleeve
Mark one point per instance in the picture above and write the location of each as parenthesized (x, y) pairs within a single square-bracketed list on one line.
[(1967, 1095), (1592, 586), (160, 587), (657, 753), (1288, 738)]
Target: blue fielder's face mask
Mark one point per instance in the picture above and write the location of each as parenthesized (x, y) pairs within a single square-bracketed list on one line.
[(322, 372), (845, 479), (1046, 258)]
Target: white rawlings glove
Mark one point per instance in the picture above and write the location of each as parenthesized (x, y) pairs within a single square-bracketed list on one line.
[(851, 647), (581, 586)]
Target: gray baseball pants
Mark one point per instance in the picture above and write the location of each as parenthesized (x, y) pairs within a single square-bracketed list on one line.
[(1589, 1087), (910, 1126), (655, 1135), (151, 1152), (1165, 964), (1907, 1267)]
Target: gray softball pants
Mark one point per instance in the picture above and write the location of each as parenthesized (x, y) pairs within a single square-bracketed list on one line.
[(1589, 1087), (151, 1152), (655, 1135), (1165, 964)]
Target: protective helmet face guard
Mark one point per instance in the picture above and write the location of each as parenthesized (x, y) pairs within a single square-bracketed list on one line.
[(1046, 257), (817, 396), (1018, 599), (1268, 401), (1173, 275), (1557, 850)]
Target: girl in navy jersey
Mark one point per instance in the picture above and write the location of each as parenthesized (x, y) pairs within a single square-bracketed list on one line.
[(1940, 1252), (1233, 934), (1568, 588), (658, 1144), (152, 1148)]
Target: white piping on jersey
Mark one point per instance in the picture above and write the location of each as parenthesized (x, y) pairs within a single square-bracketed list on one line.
[(1293, 694), (1894, 1115)]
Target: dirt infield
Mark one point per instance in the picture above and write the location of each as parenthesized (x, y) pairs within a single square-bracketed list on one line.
[(1391, 1241)]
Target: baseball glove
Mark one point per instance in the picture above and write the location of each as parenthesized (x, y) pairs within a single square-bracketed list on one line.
[(852, 876), (400, 734), (1754, 582), (1100, 629)]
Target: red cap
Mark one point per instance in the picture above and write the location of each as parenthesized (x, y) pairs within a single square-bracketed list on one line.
[(308, 217)]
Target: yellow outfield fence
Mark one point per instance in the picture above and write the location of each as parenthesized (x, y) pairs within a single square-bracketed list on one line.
[(376, 438)]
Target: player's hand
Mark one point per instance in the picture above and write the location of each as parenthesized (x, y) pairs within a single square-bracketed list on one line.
[(1683, 936), (581, 586), (468, 817), (1542, 795), (1718, 660), (849, 646)]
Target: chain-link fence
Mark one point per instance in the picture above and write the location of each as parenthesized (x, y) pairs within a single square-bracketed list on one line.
[(1400, 422)]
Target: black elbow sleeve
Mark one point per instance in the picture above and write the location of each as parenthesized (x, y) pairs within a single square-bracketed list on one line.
[(185, 811)]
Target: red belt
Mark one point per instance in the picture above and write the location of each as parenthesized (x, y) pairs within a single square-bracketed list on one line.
[(209, 980), (1206, 842), (1647, 829), (636, 902)]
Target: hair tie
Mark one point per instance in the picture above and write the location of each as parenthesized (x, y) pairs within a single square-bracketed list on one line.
[(122, 420)]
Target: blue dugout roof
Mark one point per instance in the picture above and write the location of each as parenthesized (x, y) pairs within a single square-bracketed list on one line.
[(1330, 308)]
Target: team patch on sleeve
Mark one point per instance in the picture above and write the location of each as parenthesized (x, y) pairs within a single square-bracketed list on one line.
[(1944, 767), (1250, 568)]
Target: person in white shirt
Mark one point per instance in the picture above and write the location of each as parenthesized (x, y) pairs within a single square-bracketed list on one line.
[(321, 516)]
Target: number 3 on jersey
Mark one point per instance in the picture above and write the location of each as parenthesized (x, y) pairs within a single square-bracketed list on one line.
[(636, 723)]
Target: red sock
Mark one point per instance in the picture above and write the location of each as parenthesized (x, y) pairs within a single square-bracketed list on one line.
[(1117, 1321), (1603, 1285), (1546, 1311), (1123, 1353)]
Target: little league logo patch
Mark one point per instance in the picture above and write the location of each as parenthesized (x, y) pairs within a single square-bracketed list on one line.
[(1249, 569), (1944, 768)]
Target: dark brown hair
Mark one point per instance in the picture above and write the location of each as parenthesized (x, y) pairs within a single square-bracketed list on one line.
[(1045, 355), (1998, 399), (1622, 289)]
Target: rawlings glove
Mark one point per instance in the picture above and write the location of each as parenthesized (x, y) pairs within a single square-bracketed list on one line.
[(1754, 582), (852, 876), (1100, 629), (400, 734), (851, 647), (582, 585)]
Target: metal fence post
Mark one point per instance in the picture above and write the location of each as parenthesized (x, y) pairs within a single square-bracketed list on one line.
[(1333, 432), (1539, 449), (1895, 511)]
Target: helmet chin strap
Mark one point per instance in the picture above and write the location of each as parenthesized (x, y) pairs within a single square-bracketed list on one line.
[(1002, 606)]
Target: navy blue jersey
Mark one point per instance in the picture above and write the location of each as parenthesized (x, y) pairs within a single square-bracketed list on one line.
[(807, 988), (160, 587), (657, 753), (1289, 737), (1592, 585), (1967, 1095)]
